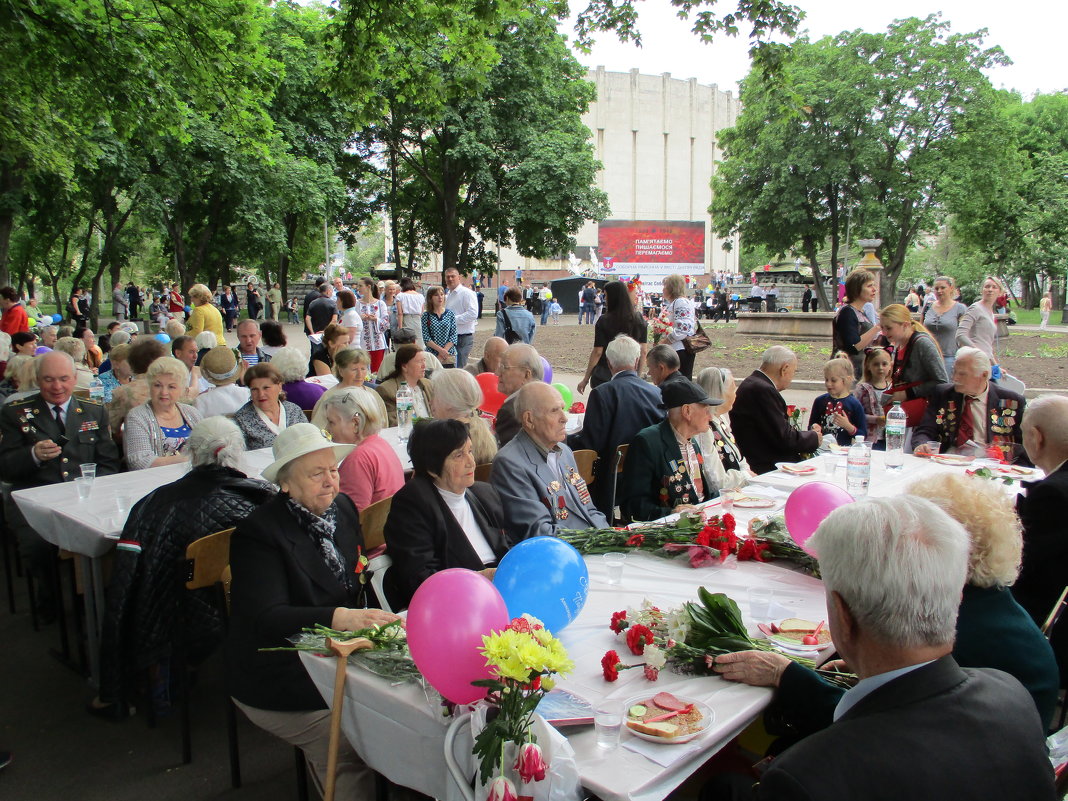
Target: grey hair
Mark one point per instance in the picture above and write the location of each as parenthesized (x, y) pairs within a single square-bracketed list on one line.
[(291, 363), (360, 404), (206, 339), (21, 361), (899, 564), (622, 353), (715, 380), (120, 337), (777, 356), (40, 360), (1049, 414), (168, 365), (456, 389), (526, 398), (5, 344), (74, 348), (523, 355), (979, 360), (248, 321), (216, 441), (664, 355), (49, 329)]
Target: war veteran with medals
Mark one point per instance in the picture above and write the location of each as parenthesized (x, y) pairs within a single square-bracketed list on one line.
[(972, 408), (664, 471), (535, 473), (45, 439)]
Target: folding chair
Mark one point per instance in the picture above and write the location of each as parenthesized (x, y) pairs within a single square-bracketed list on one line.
[(586, 461), (617, 461), (373, 525)]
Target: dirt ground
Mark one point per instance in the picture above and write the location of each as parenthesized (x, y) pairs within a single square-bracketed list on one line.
[(1037, 358)]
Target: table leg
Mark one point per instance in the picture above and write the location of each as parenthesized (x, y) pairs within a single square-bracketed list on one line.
[(94, 607)]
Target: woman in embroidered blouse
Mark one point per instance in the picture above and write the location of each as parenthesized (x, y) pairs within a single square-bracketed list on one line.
[(680, 316), (265, 416), (439, 327), (977, 327), (156, 431), (375, 317), (718, 445)]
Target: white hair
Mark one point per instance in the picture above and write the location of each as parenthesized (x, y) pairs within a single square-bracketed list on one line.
[(777, 356), (206, 339), (526, 399), (457, 390), (216, 441), (291, 363), (899, 564), (5, 345), (622, 353), (1049, 414), (119, 337), (979, 360), (523, 355), (714, 381), (360, 404)]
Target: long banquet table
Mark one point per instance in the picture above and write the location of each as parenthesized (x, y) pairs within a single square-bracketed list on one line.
[(390, 724)]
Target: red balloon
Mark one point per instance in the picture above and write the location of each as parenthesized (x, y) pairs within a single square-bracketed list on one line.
[(492, 398)]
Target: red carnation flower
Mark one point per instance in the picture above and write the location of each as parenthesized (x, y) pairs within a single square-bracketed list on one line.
[(619, 622), (636, 540), (728, 522), (577, 408), (638, 636), (701, 556), (520, 624), (751, 549), (610, 666)]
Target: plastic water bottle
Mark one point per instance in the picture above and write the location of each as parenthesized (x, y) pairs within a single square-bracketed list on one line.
[(858, 468), (895, 437), (405, 404), (96, 389)]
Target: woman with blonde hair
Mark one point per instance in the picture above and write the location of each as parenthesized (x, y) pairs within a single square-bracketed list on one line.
[(351, 368), (978, 326), (21, 376), (681, 318), (204, 317), (918, 364), (156, 431), (75, 348), (457, 396)]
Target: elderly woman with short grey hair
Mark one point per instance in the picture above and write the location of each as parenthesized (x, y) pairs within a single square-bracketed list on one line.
[(718, 445), (457, 396), (373, 470), (293, 365), (294, 562)]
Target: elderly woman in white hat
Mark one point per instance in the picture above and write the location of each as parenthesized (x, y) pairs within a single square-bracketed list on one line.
[(294, 563), (221, 368)]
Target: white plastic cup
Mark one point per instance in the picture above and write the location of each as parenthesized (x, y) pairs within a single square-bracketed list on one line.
[(85, 488), (760, 601), (613, 564), (726, 501), (608, 721), (123, 503)]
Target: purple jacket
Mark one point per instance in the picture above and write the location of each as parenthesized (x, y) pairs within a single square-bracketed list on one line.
[(303, 393)]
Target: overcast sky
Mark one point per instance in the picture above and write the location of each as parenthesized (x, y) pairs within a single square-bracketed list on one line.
[(1031, 32)]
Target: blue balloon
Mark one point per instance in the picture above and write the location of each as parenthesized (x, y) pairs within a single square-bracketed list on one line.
[(188, 309), (164, 338), (544, 577), (57, 318)]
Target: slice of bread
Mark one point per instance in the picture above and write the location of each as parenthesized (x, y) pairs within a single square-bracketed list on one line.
[(655, 729), (794, 625)]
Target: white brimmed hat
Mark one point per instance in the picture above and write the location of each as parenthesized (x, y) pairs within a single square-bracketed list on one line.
[(299, 440)]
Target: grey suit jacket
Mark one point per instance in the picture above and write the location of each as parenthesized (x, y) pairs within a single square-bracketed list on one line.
[(532, 496)]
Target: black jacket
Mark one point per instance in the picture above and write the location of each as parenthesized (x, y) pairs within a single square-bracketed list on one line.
[(281, 584), (143, 597), (423, 537), (764, 435)]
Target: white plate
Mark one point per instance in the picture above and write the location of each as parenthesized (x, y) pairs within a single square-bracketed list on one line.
[(795, 646), (953, 459), (791, 469), (708, 717), (755, 502)]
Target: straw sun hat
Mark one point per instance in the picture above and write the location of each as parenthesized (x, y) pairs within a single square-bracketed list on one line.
[(219, 366), (300, 440)]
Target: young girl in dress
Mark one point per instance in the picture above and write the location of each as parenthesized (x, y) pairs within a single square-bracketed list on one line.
[(877, 368), (836, 411)]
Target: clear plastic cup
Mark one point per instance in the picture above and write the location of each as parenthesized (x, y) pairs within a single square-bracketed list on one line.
[(85, 488), (89, 470), (608, 721), (613, 564)]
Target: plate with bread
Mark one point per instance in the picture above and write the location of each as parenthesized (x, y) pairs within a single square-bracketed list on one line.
[(795, 469), (797, 635), (666, 718)]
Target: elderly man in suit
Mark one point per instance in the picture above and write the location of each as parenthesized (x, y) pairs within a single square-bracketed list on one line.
[(539, 483), (618, 409), (892, 600), (971, 409), (1045, 564), (45, 439), (664, 471), (518, 366), (758, 417)]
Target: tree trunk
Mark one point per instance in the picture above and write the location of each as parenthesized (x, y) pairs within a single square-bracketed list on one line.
[(11, 180)]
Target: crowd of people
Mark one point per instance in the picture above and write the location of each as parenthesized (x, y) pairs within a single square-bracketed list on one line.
[(664, 441)]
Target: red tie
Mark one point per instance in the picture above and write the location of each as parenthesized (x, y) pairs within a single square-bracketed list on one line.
[(966, 429)]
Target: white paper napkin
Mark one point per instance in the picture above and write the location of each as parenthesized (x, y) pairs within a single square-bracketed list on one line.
[(663, 754)]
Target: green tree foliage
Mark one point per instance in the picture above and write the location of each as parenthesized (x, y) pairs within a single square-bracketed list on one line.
[(510, 162), (876, 131)]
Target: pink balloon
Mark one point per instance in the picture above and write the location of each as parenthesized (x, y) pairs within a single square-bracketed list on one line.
[(807, 507), (547, 371), (447, 617)]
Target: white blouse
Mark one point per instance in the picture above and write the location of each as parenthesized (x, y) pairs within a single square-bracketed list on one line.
[(461, 510), (274, 429)]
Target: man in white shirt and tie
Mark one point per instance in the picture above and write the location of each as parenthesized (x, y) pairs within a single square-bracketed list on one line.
[(463, 303), (45, 439)]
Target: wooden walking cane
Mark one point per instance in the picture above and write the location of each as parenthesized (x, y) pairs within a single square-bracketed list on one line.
[(342, 649)]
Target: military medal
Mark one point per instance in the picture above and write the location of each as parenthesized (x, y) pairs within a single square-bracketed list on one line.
[(561, 511), (554, 486)]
